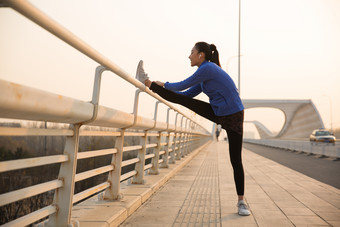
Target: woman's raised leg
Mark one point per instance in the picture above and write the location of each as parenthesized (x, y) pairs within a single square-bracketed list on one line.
[(201, 108)]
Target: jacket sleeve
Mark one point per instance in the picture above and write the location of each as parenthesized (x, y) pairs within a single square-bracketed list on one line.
[(191, 92), (198, 77)]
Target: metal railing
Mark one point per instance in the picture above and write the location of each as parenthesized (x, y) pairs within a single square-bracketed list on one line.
[(313, 148), (174, 140)]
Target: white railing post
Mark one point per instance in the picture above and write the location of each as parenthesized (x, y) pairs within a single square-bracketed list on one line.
[(165, 157), (139, 167), (173, 147), (96, 92), (186, 137), (177, 142), (154, 170), (184, 132), (189, 137), (193, 129), (135, 108), (174, 143), (63, 197), (113, 193), (181, 140)]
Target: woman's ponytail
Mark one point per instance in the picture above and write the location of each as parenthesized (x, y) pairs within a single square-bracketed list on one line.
[(210, 51), (214, 55)]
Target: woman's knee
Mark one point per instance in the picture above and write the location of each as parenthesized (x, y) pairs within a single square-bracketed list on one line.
[(236, 163)]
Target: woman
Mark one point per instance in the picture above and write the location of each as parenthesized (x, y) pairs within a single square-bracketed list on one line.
[(225, 107)]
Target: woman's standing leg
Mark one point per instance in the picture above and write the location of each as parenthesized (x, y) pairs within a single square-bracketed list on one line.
[(233, 124), (235, 153)]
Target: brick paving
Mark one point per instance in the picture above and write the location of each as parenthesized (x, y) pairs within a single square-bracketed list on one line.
[(203, 194)]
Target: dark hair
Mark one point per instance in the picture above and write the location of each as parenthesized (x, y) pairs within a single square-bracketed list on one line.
[(210, 51)]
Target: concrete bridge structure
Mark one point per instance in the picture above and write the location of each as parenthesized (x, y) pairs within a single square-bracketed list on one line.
[(181, 178), (301, 118)]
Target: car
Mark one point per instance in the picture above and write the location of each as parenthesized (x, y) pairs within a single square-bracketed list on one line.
[(322, 135)]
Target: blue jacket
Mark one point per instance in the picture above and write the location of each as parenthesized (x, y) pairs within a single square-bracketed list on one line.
[(216, 84)]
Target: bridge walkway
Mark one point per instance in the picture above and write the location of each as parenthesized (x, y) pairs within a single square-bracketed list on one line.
[(203, 194)]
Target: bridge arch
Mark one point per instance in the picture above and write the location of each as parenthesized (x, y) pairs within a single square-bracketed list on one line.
[(301, 117), (268, 121)]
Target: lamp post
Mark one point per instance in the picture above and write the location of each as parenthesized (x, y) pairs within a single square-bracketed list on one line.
[(239, 47)]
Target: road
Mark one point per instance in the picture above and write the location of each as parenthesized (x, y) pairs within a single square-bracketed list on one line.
[(325, 170)]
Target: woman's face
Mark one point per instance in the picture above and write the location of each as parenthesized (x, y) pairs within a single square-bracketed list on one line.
[(196, 58)]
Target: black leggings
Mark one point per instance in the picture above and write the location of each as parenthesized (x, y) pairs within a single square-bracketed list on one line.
[(233, 124)]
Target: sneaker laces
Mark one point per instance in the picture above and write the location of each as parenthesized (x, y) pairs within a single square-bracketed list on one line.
[(141, 71), (243, 206)]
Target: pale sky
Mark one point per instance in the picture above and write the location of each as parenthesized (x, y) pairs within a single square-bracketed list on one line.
[(290, 48)]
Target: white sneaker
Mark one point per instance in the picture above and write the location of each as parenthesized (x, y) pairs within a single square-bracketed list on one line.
[(140, 74), (242, 208)]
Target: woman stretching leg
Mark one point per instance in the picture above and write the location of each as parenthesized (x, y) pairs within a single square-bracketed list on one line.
[(225, 106)]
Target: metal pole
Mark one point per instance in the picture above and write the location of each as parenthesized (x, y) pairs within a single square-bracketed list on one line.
[(239, 47)]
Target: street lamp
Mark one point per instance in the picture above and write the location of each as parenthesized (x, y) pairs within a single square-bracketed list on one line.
[(239, 47)]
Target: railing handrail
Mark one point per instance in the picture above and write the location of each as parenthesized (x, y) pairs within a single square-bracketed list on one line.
[(35, 15), (25, 103)]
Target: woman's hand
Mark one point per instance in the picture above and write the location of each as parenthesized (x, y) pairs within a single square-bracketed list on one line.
[(159, 83)]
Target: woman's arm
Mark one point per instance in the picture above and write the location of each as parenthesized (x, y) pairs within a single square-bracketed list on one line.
[(191, 92), (198, 77)]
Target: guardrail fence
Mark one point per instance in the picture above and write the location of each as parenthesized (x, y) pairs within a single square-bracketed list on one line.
[(323, 149), (174, 140)]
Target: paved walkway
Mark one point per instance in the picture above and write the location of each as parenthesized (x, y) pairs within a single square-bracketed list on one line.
[(203, 194)]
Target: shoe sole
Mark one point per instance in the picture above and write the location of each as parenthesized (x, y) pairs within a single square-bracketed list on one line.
[(243, 214)]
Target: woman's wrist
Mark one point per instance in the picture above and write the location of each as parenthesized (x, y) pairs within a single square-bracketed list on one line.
[(148, 83), (159, 83)]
